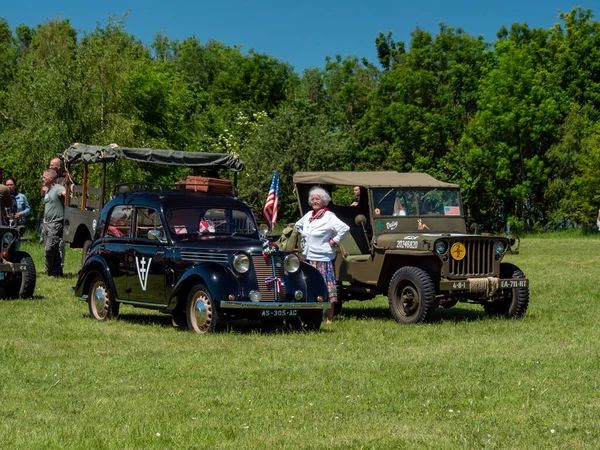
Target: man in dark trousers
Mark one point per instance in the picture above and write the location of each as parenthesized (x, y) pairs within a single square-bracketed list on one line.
[(54, 213), (61, 179)]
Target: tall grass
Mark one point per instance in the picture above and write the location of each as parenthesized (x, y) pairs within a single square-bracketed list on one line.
[(463, 381)]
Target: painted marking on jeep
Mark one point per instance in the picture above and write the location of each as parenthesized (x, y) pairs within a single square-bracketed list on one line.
[(407, 244), (391, 225), (458, 251), (379, 225)]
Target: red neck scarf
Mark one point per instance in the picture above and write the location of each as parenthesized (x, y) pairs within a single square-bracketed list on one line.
[(318, 214)]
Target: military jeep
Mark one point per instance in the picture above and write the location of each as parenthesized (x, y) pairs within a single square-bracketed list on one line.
[(17, 270), (408, 240)]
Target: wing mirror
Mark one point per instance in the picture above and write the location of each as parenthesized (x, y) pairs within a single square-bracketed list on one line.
[(360, 220), (155, 235)]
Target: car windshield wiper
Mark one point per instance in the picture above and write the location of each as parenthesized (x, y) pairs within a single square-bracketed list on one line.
[(387, 193)]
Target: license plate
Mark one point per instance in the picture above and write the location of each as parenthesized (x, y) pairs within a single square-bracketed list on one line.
[(278, 313), (513, 284)]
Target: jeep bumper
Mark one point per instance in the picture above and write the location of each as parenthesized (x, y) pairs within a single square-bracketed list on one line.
[(12, 267), (488, 285), (227, 304)]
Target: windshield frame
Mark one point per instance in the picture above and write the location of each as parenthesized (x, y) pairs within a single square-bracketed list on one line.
[(416, 202)]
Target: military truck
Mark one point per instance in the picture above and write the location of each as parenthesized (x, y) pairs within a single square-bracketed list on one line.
[(84, 201), (408, 240)]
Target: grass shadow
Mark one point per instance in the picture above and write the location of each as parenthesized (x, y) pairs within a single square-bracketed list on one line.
[(455, 314), (238, 326)]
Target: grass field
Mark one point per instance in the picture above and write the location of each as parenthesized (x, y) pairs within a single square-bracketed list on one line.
[(463, 381)]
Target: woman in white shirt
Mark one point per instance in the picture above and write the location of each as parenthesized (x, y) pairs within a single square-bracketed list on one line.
[(321, 233)]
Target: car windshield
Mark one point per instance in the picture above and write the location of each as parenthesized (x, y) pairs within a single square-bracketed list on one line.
[(198, 221), (416, 202)]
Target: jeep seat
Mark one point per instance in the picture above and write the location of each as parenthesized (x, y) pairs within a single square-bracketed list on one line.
[(354, 246)]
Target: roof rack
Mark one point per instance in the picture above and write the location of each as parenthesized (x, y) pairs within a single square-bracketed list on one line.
[(135, 186)]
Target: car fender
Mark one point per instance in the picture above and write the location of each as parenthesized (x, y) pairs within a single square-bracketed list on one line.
[(94, 264), (217, 278), (311, 282)]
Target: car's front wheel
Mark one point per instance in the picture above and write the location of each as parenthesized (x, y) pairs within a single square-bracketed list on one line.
[(311, 319), (202, 311), (101, 300), (411, 295)]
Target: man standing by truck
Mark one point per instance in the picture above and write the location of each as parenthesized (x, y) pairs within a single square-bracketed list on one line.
[(54, 213)]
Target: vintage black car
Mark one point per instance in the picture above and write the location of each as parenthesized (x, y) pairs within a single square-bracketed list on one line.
[(197, 256)]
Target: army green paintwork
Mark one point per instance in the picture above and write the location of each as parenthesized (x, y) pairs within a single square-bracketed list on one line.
[(405, 220)]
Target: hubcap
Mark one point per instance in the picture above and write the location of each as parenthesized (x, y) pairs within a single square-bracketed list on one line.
[(202, 312), (100, 299)]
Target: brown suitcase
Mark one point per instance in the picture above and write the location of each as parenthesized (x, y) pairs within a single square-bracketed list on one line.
[(206, 184)]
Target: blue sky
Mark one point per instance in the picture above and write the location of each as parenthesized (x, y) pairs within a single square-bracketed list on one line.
[(300, 33)]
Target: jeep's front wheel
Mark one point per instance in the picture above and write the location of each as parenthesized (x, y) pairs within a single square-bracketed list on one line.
[(202, 313), (101, 300), (411, 295), (21, 284), (514, 302)]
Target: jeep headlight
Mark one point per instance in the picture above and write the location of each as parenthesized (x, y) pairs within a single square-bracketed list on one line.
[(241, 263), (500, 247), (8, 238), (291, 263), (441, 247)]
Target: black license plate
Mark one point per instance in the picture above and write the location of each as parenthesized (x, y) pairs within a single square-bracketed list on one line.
[(278, 313), (504, 284)]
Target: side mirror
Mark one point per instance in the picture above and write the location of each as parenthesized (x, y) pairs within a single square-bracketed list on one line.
[(155, 235), (360, 220), (253, 197)]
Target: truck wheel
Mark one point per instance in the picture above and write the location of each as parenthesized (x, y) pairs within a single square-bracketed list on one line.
[(514, 301), (411, 295), (85, 250), (311, 319), (202, 313), (21, 284), (101, 300)]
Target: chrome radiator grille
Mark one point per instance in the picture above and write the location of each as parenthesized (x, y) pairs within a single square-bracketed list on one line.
[(478, 260), (271, 266)]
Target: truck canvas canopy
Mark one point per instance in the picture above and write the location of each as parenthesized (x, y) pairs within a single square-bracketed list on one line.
[(90, 154)]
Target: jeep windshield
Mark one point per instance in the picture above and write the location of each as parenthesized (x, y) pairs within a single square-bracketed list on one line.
[(416, 202), (205, 221)]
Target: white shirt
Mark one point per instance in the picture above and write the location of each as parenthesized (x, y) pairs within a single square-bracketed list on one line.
[(316, 235)]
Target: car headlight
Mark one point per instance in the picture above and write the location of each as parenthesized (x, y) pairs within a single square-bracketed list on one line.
[(441, 247), (500, 247), (291, 263), (241, 263), (8, 237)]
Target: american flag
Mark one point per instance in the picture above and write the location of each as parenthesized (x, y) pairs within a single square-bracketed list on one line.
[(270, 211)]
